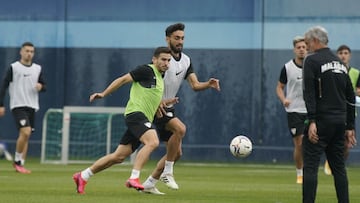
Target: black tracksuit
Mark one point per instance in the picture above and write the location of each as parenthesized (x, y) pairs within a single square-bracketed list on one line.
[(328, 96)]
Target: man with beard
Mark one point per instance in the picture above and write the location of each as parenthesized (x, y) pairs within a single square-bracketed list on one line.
[(291, 77), (172, 129)]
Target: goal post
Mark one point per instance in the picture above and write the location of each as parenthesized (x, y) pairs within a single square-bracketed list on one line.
[(79, 134), (51, 136)]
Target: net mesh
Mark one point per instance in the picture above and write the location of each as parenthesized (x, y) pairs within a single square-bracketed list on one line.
[(87, 135)]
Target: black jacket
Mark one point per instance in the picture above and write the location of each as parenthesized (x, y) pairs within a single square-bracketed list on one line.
[(328, 92)]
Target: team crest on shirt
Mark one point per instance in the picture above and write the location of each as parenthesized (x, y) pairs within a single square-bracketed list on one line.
[(169, 114), (147, 124), (22, 122), (293, 131)]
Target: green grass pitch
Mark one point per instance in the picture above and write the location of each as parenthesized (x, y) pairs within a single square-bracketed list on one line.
[(199, 183)]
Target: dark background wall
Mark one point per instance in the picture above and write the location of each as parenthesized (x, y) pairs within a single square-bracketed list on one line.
[(84, 45)]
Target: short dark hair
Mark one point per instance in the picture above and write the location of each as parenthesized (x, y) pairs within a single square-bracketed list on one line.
[(174, 27), (27, 44), (161, 50), (343, 47)]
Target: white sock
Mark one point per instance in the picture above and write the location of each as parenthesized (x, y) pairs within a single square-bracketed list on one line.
[(86, 174), (18, 157), (168, 169), (135, 174), (299, 172), (150, 182)]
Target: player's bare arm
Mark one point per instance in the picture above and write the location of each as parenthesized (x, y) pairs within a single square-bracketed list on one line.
[(2, 111), (38, 87), (281, 94), (171, 101), (164, 103), (112, 87), (198, 86), (214, 83)]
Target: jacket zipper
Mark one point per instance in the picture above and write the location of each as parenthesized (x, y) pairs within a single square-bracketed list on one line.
[(320, 90)]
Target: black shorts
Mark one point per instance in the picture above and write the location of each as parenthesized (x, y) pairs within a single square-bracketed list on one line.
[(24, 117), (137, 124), (161, 124), (296, 123)]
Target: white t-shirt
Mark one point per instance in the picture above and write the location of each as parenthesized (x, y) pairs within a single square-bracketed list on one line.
[(177, 72), (291, 75), (22, 88)]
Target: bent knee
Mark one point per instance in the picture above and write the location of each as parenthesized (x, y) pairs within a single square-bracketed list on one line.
[(153, 144), (180, 131), (25, 131)]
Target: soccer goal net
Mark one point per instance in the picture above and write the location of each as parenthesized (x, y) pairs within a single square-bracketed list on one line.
[(81, 134)]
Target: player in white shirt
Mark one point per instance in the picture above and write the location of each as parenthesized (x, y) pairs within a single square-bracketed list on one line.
[(24, 80), (171, 128), (293, 101)]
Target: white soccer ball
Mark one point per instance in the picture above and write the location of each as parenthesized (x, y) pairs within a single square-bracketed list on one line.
[(240, 146)]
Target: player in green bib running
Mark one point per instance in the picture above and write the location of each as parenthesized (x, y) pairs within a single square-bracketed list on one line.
[(145, 96)]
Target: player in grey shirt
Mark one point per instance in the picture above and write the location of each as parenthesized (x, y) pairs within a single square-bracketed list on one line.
[(172, 129), (24, 80), (291, 80)]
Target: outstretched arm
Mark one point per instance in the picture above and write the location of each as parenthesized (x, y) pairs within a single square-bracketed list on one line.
[(117, 83), (198, 86)]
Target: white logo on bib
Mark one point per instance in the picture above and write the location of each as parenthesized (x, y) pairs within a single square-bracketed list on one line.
[(22, 122), (147, 124), (293, 131)]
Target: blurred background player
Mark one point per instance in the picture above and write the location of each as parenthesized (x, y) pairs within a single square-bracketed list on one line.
[(344, 53), (171, 128), (291, 77), (4, 152), (24, 80), (145, 96), (328, 95)]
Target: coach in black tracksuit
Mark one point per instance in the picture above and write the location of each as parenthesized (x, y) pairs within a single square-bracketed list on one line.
[(328, 96)]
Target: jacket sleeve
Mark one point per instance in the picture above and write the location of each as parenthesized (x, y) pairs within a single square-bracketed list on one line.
[(350, 98), (309, 88), (5, 84)]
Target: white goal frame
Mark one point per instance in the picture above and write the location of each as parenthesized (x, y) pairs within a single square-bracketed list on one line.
[(67, 110), (44, 135)]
